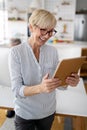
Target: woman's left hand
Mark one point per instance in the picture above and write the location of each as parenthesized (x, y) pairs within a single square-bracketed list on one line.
[(73, 80)]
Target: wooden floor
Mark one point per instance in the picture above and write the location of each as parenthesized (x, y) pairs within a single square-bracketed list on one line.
[(2, 116), (78, 123)]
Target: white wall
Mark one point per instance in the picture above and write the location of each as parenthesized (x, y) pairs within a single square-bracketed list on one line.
[(20, 4), (18, 9)]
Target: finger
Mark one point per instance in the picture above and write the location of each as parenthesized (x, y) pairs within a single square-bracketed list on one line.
[(49, 81), (56, 83), (74, 78), (72, 82), (75, 75), (46, 76)]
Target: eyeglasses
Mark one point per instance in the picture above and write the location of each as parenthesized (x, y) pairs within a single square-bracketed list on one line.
[(43, 31)]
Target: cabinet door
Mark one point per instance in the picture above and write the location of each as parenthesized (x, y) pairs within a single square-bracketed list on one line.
[(83, 71)]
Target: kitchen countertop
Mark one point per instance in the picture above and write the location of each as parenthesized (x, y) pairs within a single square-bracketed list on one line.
[(69, 50), (74, 43), (72, 101)]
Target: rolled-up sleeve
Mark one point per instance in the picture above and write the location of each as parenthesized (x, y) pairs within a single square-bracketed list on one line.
[(15, 73)]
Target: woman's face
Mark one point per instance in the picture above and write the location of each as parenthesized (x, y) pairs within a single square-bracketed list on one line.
[(41, 35)]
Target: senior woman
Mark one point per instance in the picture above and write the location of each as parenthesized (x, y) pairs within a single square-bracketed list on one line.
[(31, 66)]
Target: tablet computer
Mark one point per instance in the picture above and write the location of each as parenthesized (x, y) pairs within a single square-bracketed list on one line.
[(68, 66)]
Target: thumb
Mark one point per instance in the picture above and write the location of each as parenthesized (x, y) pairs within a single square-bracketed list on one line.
[(46, 76)]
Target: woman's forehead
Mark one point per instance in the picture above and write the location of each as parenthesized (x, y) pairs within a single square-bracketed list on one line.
[(47, 27)]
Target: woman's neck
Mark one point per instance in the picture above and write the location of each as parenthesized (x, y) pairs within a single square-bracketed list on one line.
[(35, 48), (33, 45)]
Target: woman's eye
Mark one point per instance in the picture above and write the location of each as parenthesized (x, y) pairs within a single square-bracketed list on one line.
[(43, 30)]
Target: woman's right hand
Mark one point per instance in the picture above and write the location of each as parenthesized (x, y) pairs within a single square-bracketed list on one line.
[(49, 84)]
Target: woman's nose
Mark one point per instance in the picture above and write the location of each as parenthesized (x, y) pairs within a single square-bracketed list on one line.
[(47, 35)]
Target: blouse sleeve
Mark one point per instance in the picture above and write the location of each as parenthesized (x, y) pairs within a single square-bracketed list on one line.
[(15, 73)]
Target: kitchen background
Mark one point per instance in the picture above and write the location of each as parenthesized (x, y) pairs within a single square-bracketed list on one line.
[(71, 16), (14, 23), (62, 9)]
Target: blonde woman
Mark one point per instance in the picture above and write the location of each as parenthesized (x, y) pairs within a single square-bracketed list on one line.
[(31, 66)]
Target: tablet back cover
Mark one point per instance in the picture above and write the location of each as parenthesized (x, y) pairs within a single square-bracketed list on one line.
[(68, 66)]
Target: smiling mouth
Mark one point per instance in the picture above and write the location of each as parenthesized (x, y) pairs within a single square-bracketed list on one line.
[(43, 39)]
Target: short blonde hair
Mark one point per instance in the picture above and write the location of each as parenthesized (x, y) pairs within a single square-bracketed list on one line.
[(43, 19)]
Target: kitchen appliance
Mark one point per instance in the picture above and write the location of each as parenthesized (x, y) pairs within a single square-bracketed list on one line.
[(80, 27)]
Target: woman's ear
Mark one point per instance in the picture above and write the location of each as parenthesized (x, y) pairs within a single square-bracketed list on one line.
[(30, 28)]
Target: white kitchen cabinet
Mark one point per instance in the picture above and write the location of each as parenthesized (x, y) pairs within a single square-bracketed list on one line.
[(69, 50)]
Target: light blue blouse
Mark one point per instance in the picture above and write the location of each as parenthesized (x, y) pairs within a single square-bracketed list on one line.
[(26, 71)]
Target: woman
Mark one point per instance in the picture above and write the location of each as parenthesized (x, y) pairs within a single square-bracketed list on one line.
[(32, 65)]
